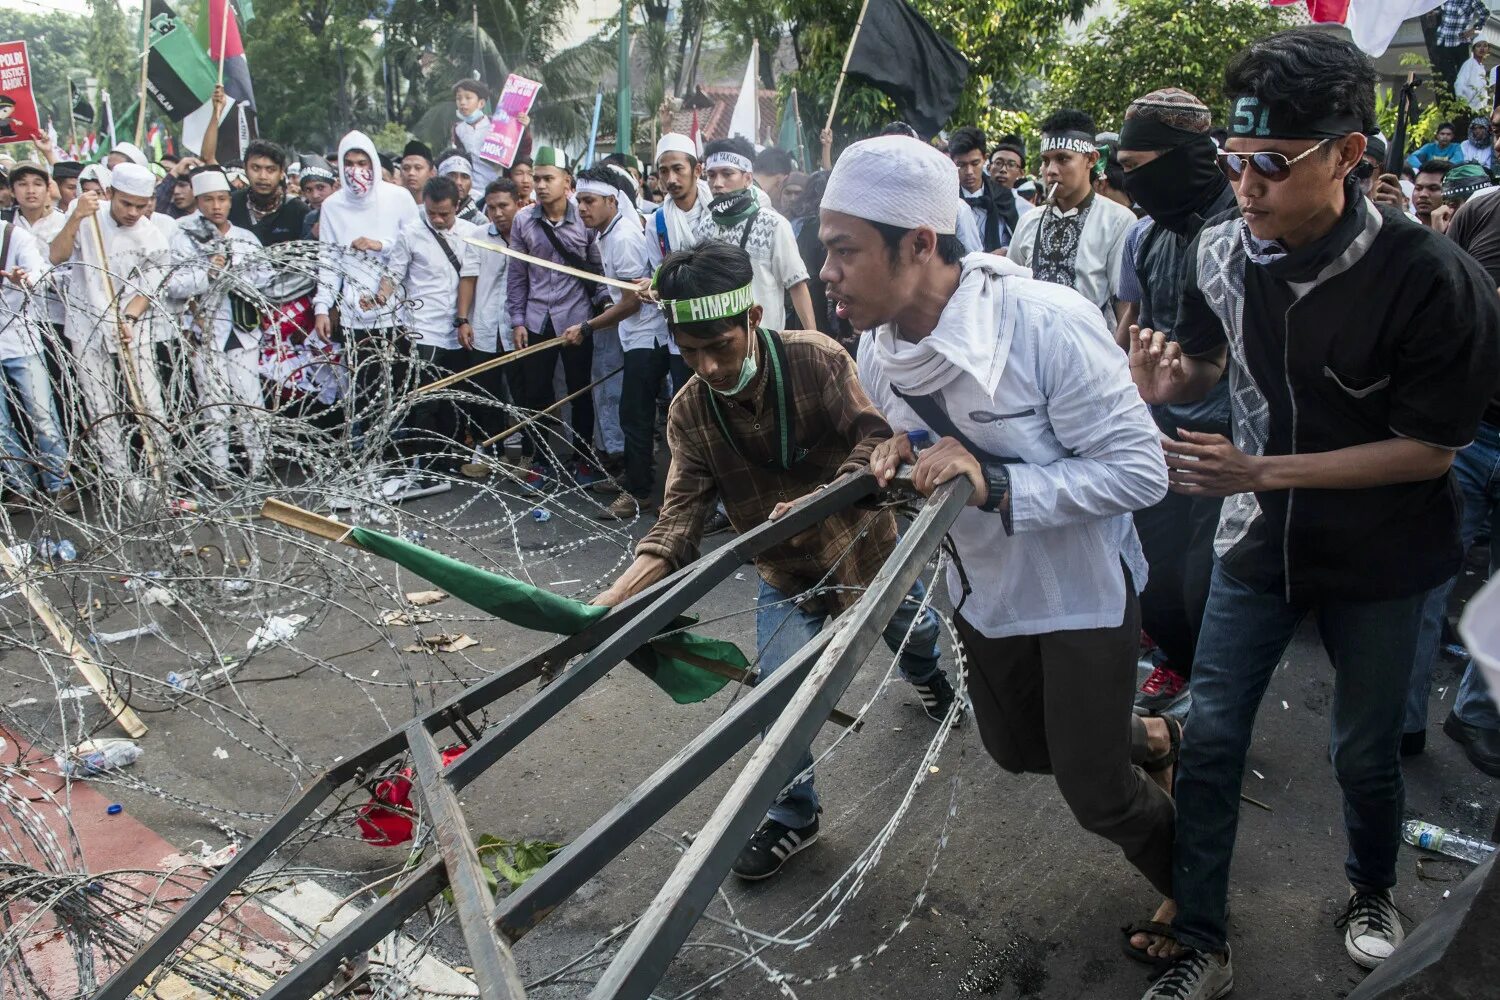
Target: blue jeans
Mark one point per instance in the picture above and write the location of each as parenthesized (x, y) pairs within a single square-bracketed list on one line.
[(1477, 469), (782, 628), (1245, 633), (27, 385)]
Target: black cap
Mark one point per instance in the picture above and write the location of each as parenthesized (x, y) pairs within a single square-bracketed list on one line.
[(28, 168), (65, 170), (418, 148), (389, 162), (315, 168)]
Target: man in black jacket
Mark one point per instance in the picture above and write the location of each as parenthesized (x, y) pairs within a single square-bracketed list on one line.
[(994, 205), (1361, 350), (263, 207)]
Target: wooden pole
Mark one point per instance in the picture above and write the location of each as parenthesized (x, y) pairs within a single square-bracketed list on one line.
[(71, 647), (598, 279), (549, 410), (140, 114), (126, 352), (223, 36), (485, 366), (838, 88)]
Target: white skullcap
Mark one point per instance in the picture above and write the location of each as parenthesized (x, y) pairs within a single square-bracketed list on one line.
[(455, 165), (208, 181), (94, 172), (132, 179), (676, 142), (897, 180), (131, 152)]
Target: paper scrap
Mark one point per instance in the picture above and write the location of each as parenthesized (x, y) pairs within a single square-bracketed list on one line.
[(443, 642), (221, 753), (423, 597), (405, 617)]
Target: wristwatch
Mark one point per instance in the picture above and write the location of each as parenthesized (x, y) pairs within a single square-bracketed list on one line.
[(997, 484), (586, 329), (460, 321)]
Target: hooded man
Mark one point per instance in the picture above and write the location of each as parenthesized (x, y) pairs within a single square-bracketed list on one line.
[(676, 223), (226, 365), (1171, 170), (109, 297), (737, 215), (363, 216), (995, 208), (1478, 147), (1019, 388)]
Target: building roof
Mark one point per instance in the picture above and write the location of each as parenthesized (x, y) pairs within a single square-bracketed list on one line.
[(713, 123)]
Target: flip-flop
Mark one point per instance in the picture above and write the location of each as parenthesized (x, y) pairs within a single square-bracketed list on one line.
[(1141, 954), (1169, 759)]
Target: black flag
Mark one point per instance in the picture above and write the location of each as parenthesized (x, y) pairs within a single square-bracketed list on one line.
[(83, 111), (900, 54)]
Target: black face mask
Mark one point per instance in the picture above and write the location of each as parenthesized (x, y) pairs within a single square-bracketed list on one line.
[(1175, 186)]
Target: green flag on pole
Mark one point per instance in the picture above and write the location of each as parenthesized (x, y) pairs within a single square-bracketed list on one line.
[(791, 138), (531, 607)]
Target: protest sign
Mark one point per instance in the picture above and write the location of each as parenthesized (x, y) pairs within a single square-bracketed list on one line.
[(500, 145), (18, 117)]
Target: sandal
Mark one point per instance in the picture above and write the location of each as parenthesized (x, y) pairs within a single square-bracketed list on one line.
[(1169, 759), (1141, 954)]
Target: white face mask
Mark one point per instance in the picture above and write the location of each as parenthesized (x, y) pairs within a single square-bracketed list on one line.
[(748, 370)]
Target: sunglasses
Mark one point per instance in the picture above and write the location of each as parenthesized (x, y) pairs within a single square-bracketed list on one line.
[(1271, 166)]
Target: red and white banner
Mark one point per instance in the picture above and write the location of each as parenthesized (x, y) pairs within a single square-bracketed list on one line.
[(1372, 23), (18, 117), (500, 145)]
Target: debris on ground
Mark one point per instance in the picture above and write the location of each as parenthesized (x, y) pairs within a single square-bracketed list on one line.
[(442, 642), (405, 618), (421, 598), (277, 629)]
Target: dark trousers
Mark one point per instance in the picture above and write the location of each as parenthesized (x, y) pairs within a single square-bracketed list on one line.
[(1245, 634), (680, 372), (1177, 536), (489, 415), (1060, 703), (1449, 59), (536, 376), (645, 370), (431, 427)]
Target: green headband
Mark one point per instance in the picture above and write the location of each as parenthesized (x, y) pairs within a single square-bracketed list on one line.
[(709, 307)]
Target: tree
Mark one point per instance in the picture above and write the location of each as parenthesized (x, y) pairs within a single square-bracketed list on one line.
[(1008, 43), (1150, 44), (111, 54), (740, 22), (57, 44)]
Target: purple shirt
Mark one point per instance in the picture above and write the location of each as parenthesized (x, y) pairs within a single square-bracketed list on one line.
[(535, 293)]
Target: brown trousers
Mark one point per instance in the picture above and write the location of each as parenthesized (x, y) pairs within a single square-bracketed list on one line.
[(1060, 704)]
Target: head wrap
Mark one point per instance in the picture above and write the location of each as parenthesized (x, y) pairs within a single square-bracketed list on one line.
[(598, 188), (66, 169), (97, 173), (132, 179), (1252, 118), (207, 180), (725, 158), (1479, 122), (1076, 142), (1164, 119), (550, 156), (1461, 182), (456, 165), (418, 148), (895, 180), (676, 142), (131, 152), (315, 168)]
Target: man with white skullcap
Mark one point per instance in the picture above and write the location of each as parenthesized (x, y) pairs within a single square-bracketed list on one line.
[(769, 418), (675, 224), (213, 263), (737, 215), (114, 288), (1017, 385), (126, 152), (456, 166)]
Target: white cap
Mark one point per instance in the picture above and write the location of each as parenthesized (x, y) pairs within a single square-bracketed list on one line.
[(897, 180), (209, 180), (455, 165), (132, 179), (94, 172), (676, 142), (131, 152)]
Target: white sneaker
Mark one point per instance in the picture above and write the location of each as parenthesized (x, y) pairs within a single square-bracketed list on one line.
[(1372, 927), (1195, 975)]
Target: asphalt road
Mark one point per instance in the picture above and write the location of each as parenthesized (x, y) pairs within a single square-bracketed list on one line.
[(1021, 903)]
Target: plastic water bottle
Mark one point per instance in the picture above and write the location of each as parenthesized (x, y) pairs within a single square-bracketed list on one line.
[(67, 551), (95, 756), (541, 514), (1455, 845)]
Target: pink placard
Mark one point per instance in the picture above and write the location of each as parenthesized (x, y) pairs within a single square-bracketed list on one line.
[(500, 145)]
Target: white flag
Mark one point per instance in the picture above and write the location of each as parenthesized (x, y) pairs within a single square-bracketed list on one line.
[(745, 121), (1373, 23)]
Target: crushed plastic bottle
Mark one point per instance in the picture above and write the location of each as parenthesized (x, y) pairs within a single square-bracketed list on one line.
[(188, 680), (49, 549), (541, 515), (97, 756), (1430, 837)]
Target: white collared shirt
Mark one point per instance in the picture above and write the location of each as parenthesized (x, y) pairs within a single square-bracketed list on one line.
[(1086, 454), (1096, 268), (625, 250), (492, 329), (428, 279), (19, 315), (192, 277), (44, 231)]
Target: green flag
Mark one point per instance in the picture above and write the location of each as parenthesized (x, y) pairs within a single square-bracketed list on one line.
[(791, 139), (541, 611)]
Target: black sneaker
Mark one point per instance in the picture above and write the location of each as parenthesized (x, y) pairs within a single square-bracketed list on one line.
[(937, 696), (768, 850), (717, 521), (1193, 976)]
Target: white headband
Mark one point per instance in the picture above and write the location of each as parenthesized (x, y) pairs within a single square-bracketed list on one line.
[(1068, 142), (598, 189), (209, 181), (455, 165), (724, 158)]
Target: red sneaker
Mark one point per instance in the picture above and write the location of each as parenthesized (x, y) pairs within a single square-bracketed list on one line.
[(1164, 687)]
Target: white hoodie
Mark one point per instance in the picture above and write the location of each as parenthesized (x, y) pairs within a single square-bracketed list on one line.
[(378, 213)]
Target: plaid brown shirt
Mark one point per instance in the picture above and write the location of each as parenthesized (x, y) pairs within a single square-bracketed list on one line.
[(837, 425)]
